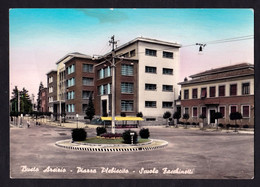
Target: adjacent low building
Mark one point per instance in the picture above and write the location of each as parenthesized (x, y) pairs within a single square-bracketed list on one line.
[(227, 89)]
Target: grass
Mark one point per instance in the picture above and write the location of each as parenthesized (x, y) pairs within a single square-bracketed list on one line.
[(110, 141)]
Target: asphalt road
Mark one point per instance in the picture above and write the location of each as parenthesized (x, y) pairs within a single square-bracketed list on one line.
[(190, 154)]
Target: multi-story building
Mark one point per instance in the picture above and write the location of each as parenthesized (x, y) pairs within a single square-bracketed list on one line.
[(157, 75), (52, 91), (146, 80), (126, 83), (43, 100), (226, 90)]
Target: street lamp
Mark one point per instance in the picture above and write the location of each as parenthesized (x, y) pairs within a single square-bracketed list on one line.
[(132, 137)]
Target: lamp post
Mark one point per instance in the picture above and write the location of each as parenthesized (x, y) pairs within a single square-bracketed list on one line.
[(60, 111), (132, 137)]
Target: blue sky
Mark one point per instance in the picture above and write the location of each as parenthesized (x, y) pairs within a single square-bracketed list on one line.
[(39, 37)]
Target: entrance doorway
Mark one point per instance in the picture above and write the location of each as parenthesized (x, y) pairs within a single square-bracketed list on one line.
[(104, 107), (212, 119)]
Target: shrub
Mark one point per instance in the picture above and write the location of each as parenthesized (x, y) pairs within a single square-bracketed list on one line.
[(101, 130), (79, 134), (221, 125), (144, 133), (127, 137), (245, 126), (228, 126), (188, 123), (193, 123)]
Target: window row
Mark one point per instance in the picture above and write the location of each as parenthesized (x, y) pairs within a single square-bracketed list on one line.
[(168, 88), (221, 91), (245, 110), (71, 69), (152, 104), (129, 54), (165, 71), (152, 52)]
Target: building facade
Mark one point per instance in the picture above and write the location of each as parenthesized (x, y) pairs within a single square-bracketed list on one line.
[(157, 76), (147, 73), (43, 100), (226, 90), (52, 91)]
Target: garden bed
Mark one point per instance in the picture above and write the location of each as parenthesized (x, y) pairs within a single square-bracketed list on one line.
[(99, 140)]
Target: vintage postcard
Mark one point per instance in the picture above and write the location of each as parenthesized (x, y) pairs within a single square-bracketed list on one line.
[(131, 93)]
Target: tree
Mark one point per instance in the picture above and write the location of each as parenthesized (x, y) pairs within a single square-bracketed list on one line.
[(90, 112), (186, 117), (235, 116), (217, 116), (39, 102), (177, 115), (24, 102), (166, 116)]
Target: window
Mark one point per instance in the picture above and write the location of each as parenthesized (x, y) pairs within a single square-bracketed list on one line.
[(194, 93), (101, 73), (203, 92), (167, 54), (204, 111), (150, 86), (50, 99), (126, 55), (71, 82), (104, 89), (50, 89), (245, 88), (88, 68), (186, 110), (50, 79), (127, 106), (233, 108), (87, 81), (222, 111), (127, 87), (166, 104), (150, 119), (167, 71), (132, 53), (70, 95), (150, 104), (127, 70), (150, 52), (233, 89), (212, 91), (194, 111), (168, 88), (221, 91), (86, 94), (186, 94), (245, 111), (71, 69), (71, 108), (107, 72), (149, 69)]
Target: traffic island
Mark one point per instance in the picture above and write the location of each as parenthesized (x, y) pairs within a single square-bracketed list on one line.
[(147, 146)]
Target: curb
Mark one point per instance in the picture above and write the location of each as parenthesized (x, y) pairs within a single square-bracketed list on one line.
[(154, 144)]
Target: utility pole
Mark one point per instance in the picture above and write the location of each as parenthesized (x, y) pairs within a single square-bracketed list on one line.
[(113, 42)]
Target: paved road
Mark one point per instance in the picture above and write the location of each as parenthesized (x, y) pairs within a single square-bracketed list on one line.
[(198, 154)]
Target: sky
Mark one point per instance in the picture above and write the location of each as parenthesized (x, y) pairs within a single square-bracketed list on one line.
[(40, 37)]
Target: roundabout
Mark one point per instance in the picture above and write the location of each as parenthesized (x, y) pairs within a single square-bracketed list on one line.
[(151, 145)]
